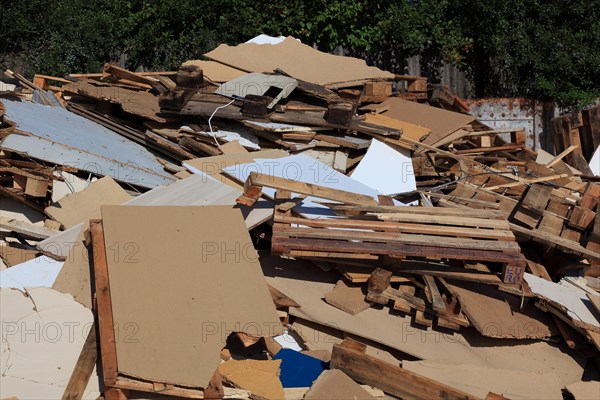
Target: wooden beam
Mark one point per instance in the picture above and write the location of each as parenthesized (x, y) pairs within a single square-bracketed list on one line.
[(108, 348), (83, 368), (529, 181), (255, 182), (390, 378), (26, 229), (562, 155)]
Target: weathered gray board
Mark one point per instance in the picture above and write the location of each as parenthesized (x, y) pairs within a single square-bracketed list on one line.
[(61, 137)]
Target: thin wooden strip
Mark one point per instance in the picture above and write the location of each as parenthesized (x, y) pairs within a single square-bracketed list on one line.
[(83, 368), (108, 349)]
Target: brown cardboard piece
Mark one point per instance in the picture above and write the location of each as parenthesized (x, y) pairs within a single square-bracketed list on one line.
[(233, 147), (260, 377), (181, 280), (336, 385), (82, 206), (216, 72), (589, 390), (74, 276), (298, 61), (348, 297), (440, 122), (497, 314)]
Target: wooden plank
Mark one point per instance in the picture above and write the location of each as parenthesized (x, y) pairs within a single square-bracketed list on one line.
[(256, 181), (26, 229), (436, 298), (528, 181), (555, 241), (562, 155), (388, 377), (105, 322), (83, 368)]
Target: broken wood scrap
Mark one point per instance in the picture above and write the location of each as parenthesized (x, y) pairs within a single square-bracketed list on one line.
[(351, 359)]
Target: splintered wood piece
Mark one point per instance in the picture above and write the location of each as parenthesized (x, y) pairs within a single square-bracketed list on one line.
[(436, 298), (379, 280), (390, 378), (340, 113), (214, 390), (581, 218), (280, 299), (83, 368), (421, 318), (108, 350)]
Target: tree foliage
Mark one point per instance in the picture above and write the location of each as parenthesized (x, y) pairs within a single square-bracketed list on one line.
[(533, 48)]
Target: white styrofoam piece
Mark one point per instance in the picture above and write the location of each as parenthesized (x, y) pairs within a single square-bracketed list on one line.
[(595, 162), (287, 342), (303, 168), (386, 169), (575, 300), (39, 272), (72, 184), (266, 39), (245, 139)]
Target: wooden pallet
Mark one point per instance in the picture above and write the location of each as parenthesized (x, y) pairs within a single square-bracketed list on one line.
[(403, 233)]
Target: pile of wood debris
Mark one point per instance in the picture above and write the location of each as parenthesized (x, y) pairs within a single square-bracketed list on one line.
[(279, 223)]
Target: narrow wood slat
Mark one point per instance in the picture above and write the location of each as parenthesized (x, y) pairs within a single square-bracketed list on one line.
[(106, 330)]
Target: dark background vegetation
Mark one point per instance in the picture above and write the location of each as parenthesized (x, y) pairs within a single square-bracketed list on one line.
[(532, 48)]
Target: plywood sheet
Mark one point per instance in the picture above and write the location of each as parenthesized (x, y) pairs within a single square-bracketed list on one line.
[(297, 60), (81, 206), (440, 122), (348, 297), (189, 274)]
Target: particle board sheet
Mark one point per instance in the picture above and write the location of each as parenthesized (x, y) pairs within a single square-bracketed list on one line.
[(307, 284), (189, 274), (440, 122), (385, 169), (78, 207), (62, 137), (299, 61), (479, 381), (568, 298), (196, 190), (302, 168), (216, 72), (497, 314), (258, 84)]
